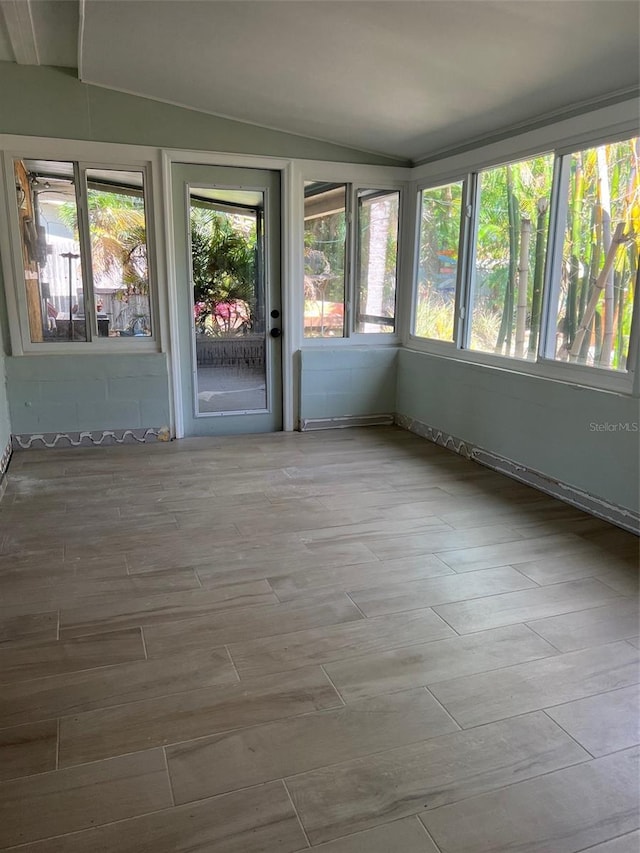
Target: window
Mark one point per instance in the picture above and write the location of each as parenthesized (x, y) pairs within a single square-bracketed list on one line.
[(119, 261), (325, 240), (510, 251), (593, 304), (350, 261), (551, 265), (83, 234), (438, 253), (377, 260)]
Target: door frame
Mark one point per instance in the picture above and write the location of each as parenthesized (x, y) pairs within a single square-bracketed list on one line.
[(291, 266)]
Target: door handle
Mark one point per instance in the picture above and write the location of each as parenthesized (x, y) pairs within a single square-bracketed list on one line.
[(275, 333)]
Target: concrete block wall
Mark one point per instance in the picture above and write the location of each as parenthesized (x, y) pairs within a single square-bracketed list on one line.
[(66, 393), (347, 381), (550, 427)]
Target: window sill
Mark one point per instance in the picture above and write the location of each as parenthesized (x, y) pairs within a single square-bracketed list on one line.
[(567, 374), (117, 346)]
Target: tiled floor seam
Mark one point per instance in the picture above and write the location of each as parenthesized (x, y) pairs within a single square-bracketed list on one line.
[(439, 703), (568, 734), (348, 594), (544, 707), (606, 841), (230, 656), (57, 766), (298, 818), (605, 602), (533, 630), (428, 834), (421, 643), (227, 732), (169, 779), (87, 829), (330, 680)]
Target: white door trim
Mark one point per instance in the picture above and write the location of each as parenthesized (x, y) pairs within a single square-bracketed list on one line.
[(292, 266)]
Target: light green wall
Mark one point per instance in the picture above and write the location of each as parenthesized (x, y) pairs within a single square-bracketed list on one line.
[(543, 425), (341, 381), (75, 393), (46, 101), (67, 393)]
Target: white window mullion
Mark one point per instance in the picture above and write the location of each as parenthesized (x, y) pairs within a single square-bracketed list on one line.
[(466, 271), (553, 266), (350, 256), (84, 238)]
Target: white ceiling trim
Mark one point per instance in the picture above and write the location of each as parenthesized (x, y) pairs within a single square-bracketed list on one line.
[(19, 23), (545, 119)]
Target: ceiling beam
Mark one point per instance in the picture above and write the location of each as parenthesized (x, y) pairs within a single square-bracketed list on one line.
[(19, 23)]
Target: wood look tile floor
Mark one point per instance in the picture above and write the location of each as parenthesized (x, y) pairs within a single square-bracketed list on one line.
[(352, 641)]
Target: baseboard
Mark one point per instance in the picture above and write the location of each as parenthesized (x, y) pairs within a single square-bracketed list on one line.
[(98, 438), (308, 424), (619, 516), (5, 458)]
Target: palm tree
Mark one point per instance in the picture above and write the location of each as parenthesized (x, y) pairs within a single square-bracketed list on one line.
[(118, 241)]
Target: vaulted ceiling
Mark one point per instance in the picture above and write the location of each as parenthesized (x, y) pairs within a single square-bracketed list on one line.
[(404, 78)]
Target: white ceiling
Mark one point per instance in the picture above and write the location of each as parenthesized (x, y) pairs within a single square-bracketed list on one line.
[(407, 79)]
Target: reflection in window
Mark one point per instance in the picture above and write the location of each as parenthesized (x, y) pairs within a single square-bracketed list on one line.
[(53, 269), (377, 260), (119, 258), (440, 213), (229, 310), (600, 256), (324, 259), (62, 288), (510, 252)]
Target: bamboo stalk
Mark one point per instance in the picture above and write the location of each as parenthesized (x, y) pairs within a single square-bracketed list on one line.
[(574, 263), (523, 282), (590, 280), (605, 203), (617, 240), (506, 323), (538, 273)]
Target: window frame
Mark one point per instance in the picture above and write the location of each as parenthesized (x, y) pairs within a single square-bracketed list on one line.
[(461, 277), (357, 264), (351, 337), (545, 366), (21, 343)]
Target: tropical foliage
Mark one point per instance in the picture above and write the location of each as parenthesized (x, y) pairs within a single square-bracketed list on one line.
[(223, 257), (118, 241), (117, 228), (601, 246), (593, 299)]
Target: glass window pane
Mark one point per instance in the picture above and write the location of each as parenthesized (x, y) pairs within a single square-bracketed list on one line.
[(510, 252), (53, 272), (600, 256), (325, 235), (227, 228), (377, 259), (119, 257), (440, 219)]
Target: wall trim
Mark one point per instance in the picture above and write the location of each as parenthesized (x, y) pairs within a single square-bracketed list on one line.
[(96, 438), (620, 516), (308, 424)]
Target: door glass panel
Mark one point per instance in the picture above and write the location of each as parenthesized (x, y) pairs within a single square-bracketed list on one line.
[(229, 330)]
